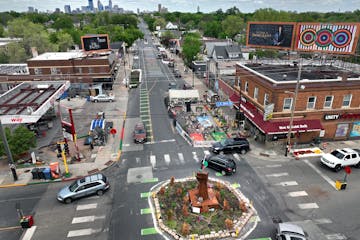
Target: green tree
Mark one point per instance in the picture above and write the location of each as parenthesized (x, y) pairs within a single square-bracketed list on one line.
[(65, 41), (63, 21), (15, 52), (20, 140), (191, 47), (160, 22), (165, 38), (233, 25)]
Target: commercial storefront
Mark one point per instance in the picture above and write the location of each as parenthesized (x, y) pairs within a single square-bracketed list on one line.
[(342, 126)]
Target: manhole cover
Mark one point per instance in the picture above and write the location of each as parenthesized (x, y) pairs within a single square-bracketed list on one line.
[(138, 176)]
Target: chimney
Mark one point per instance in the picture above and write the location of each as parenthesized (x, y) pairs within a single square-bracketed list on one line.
[(34, 52), (344, 76)]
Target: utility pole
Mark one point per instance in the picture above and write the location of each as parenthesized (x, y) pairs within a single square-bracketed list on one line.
[(8, 152), (288, 141)]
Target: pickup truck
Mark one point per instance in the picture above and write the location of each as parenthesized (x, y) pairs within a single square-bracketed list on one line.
[(340, 158), (102, 98)]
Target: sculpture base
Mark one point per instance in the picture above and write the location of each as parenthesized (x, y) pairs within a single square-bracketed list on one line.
[(211, 202)]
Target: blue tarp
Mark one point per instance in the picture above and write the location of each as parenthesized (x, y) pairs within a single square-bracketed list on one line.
[(97, 123)]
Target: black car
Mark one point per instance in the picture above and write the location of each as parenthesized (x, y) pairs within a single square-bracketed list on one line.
[(177, 73), (221, 163), (230, 145)]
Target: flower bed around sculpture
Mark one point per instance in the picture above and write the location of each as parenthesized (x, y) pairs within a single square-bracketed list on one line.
[(173, 213)]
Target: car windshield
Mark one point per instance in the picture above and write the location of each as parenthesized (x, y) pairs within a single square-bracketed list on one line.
[(337, 154), (225, 142), (139, 131), (73, 186)]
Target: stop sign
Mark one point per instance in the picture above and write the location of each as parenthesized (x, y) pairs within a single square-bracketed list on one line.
[(347, 169)]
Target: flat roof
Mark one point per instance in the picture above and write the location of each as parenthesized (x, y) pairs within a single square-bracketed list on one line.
[(28, 101), (289, 72), (58, 56)]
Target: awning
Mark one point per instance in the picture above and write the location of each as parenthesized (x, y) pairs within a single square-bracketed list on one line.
[(278, 127), (97, 123)]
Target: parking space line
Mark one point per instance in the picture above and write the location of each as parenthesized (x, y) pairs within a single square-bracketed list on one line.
[(167, 159), (326, 178), (181, 158)]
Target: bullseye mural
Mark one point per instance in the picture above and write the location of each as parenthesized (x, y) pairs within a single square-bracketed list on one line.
[(332, 38)]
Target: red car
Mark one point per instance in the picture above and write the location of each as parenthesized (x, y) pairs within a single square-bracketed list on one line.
[(139, 134)]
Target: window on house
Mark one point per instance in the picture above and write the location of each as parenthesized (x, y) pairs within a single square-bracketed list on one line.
[(246, 87), (38, 71), (328, 101), (91, 70), (311, 103), (79, 70), (287, 104), (53, 70), (256, 93), (347, 100), (266, 99)]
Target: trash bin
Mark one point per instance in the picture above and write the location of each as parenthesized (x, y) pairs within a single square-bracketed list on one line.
[(27, 221), (47, 173), (35, 173), (41, 173)]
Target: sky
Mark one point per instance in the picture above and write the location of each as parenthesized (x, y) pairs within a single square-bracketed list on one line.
[(245, 6)]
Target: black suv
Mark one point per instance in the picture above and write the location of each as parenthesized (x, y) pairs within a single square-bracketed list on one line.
[(221, 163), (230, 145)]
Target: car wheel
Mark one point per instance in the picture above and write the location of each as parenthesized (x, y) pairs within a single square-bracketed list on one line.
[(99, 192), (111, 100), (243, 151), (67, 200), (337, 168), (223, 172), (95, 100), (222, 152), (357, 165)]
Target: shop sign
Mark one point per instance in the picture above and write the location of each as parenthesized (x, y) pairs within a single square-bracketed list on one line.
[(268, 111), (331, 116), (294, 127), (355, 131)]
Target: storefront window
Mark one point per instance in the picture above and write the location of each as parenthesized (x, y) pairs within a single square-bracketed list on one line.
[(256, 93), (266, 99), (246, 87), (355, 131), (342, 130)]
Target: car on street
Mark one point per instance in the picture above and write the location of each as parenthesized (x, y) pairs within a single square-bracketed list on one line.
[(289, 231), (102, 98), (231, 145), (177, 73), (86, 186), (139, 134), (222, 163), (172, 85), (187, 86), (340, 158)]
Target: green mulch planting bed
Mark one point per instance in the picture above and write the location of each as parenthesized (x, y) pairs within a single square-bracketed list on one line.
[(176, 210)]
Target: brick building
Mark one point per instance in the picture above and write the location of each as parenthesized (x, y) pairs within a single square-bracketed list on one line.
[(80, 68), (327, 104)]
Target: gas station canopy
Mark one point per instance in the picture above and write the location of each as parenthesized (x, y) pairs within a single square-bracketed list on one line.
[(28, 101)]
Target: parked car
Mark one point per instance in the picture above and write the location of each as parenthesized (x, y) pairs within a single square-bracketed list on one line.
[(89, 185), (172, 85), (139, 133), (230, 145), (289, 231), (187, 86), (102, 98), (221, 163), (340, 158), (177, 73)]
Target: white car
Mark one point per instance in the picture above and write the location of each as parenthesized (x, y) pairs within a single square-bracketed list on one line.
[(340, 158), (289, 231), (102, 98)]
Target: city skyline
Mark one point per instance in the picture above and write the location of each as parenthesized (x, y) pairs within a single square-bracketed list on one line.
[(244, 6)]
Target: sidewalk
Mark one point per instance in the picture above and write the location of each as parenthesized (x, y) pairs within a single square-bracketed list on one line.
[(96, 160)]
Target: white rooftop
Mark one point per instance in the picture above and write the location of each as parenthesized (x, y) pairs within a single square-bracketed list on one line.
[(58, 56)]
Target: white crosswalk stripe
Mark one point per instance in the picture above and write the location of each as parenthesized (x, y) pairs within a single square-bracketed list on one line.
[(167, 159), (82, 232), (237, 157), (152, 160), (195, 157), (277, 174), (308, 205), (289, 183), (297, 194), (181, 158), (336, 236), (86, 206)]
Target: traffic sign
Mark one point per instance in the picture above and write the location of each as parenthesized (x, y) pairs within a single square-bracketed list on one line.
[(113, 131), (347, 169)]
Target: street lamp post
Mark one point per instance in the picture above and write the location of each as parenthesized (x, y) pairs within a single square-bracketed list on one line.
[(288, 141)]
